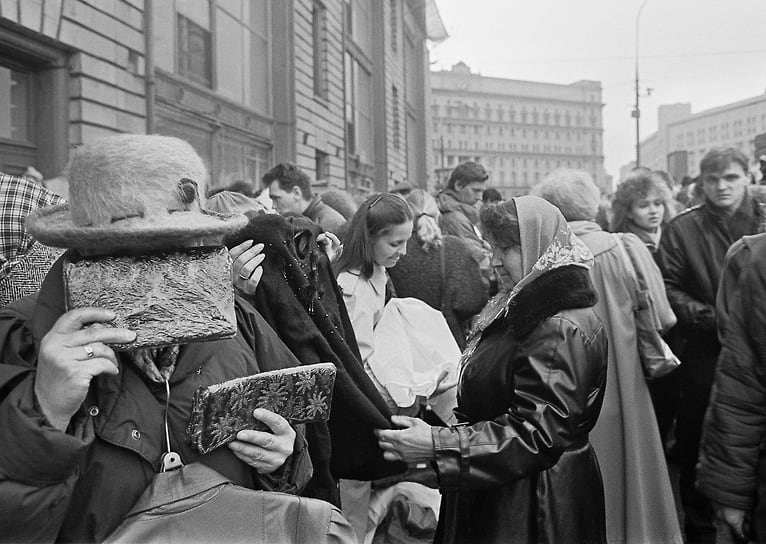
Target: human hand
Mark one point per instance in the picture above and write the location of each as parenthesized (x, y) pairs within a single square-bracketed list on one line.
[(412, 443), (443, 383), (71, 354), (246, 270), (331, 244), (734, 519), (265, 451)]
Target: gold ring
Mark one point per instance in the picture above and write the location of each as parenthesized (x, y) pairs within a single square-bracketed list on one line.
[(244, 277), (89, 351)]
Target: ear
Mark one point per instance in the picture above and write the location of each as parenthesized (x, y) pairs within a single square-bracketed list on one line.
[(296, 192)]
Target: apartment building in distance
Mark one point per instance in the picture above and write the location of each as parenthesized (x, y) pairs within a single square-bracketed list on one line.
[(338, 86), (519, 130), (683, 138)]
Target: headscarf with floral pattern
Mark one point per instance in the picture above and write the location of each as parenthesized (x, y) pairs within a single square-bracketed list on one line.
[(547, 243)]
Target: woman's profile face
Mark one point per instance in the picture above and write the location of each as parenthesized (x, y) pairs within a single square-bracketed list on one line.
[(647, 213), (507, 263), (392, 244)]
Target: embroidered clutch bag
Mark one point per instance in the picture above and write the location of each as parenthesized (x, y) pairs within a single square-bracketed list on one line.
[(168, 298), (301, 395)]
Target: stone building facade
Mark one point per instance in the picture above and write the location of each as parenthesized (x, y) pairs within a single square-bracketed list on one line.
[(519, 130), (248, 83)]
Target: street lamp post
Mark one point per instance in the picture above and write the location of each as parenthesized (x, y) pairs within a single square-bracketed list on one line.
[(637, 111)]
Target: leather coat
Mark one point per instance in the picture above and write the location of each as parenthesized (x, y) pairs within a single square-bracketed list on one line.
[(521, 468)]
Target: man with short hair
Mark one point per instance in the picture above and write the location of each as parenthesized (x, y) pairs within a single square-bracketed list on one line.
[(290, 190), (459, 214), (691, 256)]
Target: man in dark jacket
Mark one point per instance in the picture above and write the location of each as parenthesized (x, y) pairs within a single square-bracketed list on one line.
[(691, 256), (731, 469), (459, 214), (290, 190)]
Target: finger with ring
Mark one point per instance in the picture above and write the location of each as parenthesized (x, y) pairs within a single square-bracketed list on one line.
[(89, 351), (245, 276)]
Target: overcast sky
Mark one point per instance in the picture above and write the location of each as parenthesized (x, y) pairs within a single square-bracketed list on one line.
[(705, 52)]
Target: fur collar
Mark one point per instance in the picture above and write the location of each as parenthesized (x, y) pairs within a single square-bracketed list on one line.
[(559, 289)]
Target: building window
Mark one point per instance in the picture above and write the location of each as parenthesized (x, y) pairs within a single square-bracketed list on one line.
[(194, 52), (394, 25), (395, 112), (359, 24), (359, 135), (16, 110), (319, 35), (321, 165)]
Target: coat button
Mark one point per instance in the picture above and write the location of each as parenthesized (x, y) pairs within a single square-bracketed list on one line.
[(93, 411), (136, 434)]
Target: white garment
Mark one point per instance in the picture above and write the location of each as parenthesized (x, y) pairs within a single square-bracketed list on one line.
[(364, 299)]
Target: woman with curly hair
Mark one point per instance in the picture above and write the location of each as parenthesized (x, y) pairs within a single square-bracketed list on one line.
[(642, 204)]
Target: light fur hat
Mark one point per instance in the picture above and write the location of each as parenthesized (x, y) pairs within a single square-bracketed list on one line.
[(134, 193)]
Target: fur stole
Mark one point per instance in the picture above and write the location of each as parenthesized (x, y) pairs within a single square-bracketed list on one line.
[(560, 289)]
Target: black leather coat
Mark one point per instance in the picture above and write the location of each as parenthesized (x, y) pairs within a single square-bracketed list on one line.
[(521, 469)]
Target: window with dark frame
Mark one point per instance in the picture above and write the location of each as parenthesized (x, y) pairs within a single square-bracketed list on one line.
[(194, 52), (319, 36), (321, 165), (394, 26), (395, 113)]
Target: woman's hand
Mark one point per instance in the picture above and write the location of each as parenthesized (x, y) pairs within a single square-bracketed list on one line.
[(265, 451), (733, 518), (443, 384), (246, 270), (70, 356), (412, 443), (331, 244)]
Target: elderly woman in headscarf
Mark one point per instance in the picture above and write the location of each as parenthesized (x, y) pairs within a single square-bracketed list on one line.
[(520, 467), (639, 499)]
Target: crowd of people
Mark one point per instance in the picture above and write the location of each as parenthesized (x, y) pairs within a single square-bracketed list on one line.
[(555, 432)]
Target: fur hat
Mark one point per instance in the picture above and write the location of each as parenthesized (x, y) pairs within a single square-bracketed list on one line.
[(134, 193)]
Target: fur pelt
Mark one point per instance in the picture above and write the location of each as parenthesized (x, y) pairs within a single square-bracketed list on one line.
[(300, 298), (560, 289), (132, 175)]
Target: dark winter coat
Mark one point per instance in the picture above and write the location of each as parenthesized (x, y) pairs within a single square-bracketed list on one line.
[(732, 464), (79, 485), (419, 274), (299, 297), (521, 468), (691, 256)]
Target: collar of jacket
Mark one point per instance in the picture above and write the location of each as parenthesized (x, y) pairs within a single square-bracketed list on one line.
[(312, 209), (449, 201), (560, 289), (748, 208)]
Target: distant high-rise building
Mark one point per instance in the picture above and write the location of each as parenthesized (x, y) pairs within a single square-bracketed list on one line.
[(519, 130), (682, 135)]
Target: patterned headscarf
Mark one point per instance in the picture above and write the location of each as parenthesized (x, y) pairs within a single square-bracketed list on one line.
[(547, 243)]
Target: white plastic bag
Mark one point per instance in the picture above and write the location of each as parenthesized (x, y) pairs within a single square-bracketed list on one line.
[(413, 348)]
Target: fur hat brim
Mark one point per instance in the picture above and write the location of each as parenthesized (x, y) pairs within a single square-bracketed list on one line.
[(53, 226)]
